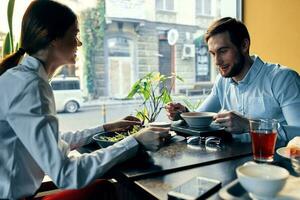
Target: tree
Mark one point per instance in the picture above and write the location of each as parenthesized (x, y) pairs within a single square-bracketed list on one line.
[(92, 30)]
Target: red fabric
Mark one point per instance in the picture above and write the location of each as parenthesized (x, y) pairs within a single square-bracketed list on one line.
[(100, 189)]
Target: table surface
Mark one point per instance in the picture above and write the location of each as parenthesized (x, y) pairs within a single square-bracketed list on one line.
[(154, 174), (179, 155), (159, 186)]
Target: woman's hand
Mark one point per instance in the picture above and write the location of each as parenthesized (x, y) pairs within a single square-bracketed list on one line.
[(152, 138), (122, 125)]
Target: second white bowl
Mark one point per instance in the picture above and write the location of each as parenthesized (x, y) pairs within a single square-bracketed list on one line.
[(262, 180)]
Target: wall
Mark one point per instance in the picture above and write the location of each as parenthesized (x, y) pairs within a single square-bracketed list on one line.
[(274, 27)]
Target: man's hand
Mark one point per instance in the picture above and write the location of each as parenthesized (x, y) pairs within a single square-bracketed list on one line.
[(122, 125), (174, 109), (232, 121), (152, 138)]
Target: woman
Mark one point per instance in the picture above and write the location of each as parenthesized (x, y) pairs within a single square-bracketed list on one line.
[(30, 142)]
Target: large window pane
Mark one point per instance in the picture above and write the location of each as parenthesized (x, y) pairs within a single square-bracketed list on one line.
[(123, 41)]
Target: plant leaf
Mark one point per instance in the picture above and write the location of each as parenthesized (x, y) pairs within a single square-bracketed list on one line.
[(166, 98), (189, 105), (153, 88), (7, 48), (135, 88), (10, 12), (179, 78)]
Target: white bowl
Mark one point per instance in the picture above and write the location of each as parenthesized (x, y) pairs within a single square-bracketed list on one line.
[(160, 124), (198, 119), (263, 181)]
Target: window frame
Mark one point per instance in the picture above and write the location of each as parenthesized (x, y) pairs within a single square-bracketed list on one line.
[(164, 6), (203, 6)]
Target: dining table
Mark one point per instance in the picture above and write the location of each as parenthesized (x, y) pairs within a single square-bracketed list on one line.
[(152, 175)]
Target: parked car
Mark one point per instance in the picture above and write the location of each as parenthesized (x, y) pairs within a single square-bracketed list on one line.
[(67, 94)]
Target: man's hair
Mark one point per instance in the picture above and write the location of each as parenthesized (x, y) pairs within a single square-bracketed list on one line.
[(236, 29)]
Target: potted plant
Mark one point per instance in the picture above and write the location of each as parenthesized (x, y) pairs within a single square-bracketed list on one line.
[(155, 93)]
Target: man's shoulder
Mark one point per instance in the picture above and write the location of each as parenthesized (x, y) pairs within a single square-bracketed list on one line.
[(280, 75), (277, 70)]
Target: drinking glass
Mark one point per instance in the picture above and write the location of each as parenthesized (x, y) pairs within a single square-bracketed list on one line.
[(263, 134)]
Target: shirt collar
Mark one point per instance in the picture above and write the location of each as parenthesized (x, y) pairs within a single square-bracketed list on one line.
[(253, 71), (36, 65)]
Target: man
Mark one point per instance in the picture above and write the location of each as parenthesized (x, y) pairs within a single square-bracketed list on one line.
[(246, 87)]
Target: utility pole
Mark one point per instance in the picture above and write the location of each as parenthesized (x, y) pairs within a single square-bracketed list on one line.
[(103, 109)]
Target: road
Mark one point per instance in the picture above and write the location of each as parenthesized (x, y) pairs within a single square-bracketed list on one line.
[(93, 116)]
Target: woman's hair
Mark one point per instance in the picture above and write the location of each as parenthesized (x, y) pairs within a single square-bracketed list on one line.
[(236, 29), (43, 21)]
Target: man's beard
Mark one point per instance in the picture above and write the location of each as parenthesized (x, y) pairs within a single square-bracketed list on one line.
[(237, 67)]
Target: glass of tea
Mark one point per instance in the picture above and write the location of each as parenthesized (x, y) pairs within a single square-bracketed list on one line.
[(263, 134)]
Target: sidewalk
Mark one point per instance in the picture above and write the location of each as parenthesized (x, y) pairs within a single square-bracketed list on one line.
[(110, 101)]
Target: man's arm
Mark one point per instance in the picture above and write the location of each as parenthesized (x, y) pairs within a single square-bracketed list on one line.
[(286, 87), (210, 104), (292, 114)]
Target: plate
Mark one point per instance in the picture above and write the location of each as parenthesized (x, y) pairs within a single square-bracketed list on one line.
[(283, 152)]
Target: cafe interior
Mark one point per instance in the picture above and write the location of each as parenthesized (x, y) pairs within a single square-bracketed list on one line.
[(195, 164)]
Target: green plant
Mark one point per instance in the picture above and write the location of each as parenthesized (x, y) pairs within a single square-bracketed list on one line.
[(192, 106), (8, 44), (92, 31), (153, 89)]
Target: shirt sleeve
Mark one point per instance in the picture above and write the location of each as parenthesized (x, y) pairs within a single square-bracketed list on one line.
[(286, 89), (212, 102), (37, 130), (79, 138)]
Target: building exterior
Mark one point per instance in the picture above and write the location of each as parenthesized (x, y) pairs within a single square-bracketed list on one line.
[(2, 37), (142, 36), (162, 35)]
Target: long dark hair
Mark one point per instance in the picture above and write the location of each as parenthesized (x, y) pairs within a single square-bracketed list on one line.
[(43, 21)]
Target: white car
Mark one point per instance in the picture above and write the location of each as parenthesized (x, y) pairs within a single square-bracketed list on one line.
[(67, 94)]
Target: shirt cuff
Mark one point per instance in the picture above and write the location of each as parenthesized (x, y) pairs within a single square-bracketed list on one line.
[(129, 142), (97, 129)]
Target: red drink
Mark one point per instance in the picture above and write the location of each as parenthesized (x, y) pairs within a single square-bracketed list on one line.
[(263, 144)]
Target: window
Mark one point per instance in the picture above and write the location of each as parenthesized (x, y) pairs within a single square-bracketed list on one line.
[(119, 47), (65, 85), (202, 63), (133, 44), (167, 5), (203, 7)]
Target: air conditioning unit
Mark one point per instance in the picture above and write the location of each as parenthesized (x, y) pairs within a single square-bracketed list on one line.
[(188, 51)]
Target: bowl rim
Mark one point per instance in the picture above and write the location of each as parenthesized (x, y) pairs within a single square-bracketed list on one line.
[(285, 173), (209, 114), (159, 123)]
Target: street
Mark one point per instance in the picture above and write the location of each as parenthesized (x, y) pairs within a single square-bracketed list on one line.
[(95, 115)]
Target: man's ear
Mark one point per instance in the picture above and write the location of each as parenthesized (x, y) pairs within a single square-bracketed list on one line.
[(54, 43), (245, 46)]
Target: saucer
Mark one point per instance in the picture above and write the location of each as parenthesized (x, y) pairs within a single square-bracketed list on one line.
[(283, 152), (256, 197)]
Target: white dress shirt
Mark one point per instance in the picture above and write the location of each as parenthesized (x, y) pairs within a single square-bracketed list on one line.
[(30, 142)]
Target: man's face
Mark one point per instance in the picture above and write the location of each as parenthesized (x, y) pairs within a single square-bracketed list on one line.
[(227, 57)]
